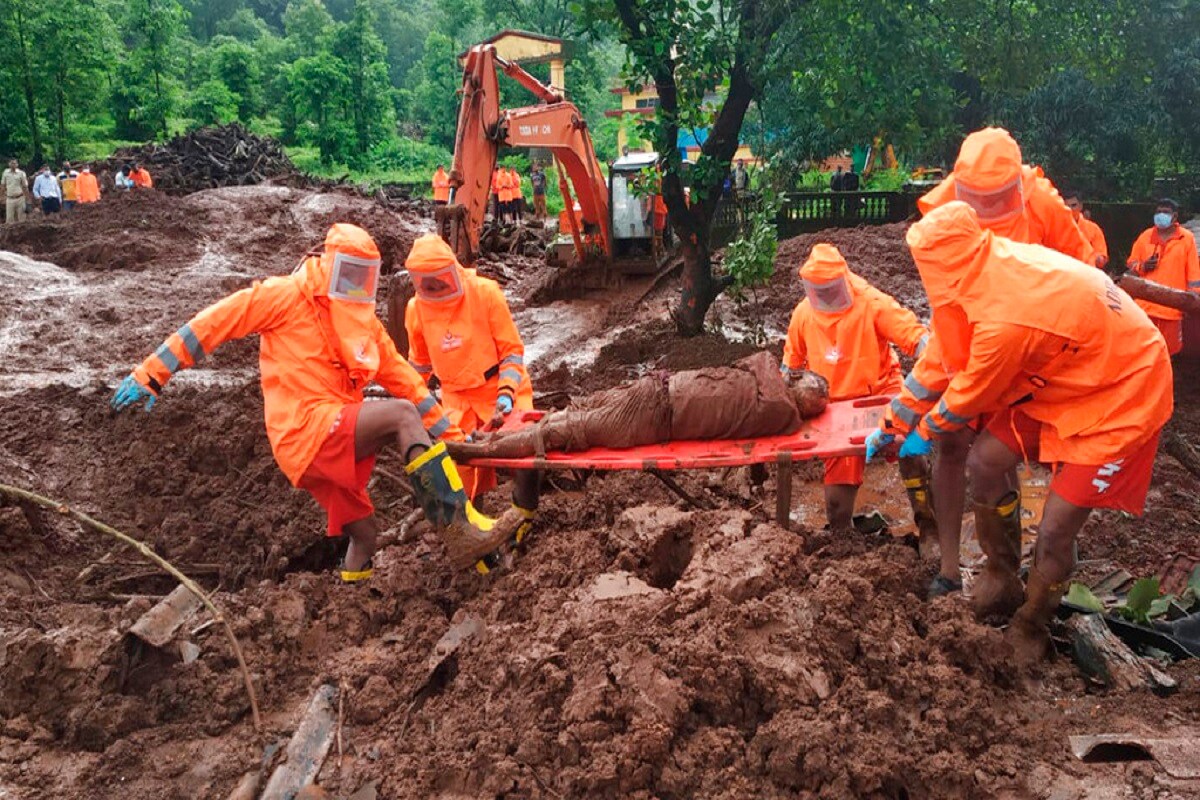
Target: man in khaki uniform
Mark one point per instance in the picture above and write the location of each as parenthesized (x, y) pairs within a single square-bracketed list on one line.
[(16, 189)]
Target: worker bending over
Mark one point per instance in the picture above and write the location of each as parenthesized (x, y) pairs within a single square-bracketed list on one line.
[(321, 344), (1074, 374), (461, 330), (1013, 200), (843, 330), (1166, 254)]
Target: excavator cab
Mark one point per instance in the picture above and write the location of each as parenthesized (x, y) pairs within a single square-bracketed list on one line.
[(632, 203)]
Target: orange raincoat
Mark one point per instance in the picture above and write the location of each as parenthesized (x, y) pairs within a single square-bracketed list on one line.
[(988, 161), (1178, 266), (1035, 329), (1095, 237), (304, 350), (514, 183), (441, 186), (141, 177), (89, 187), (470, 342), (851, 348)]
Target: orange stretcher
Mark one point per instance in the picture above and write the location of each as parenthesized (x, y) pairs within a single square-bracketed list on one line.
[(840, 430)]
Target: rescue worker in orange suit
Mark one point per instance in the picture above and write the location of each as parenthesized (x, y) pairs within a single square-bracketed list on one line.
[(141, 177), (461, 330), (320, 345), (1013, 200), (1090, 229), (497, 209), (441, 186), (518, 194), (843, 330), (1074, 374), (89, 187), (1166, 254)]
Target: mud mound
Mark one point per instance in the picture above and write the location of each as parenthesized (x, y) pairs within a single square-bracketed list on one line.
[(876, 252), (125, 231), (225, 155)]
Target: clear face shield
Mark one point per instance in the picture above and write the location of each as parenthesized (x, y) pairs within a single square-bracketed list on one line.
[(439, 286), (830, 297), (994, 205), (354, 279)]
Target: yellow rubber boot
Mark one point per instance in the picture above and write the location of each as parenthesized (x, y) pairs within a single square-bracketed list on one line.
[(998, 592), (469, 534), (1028, 633), (921, 500)]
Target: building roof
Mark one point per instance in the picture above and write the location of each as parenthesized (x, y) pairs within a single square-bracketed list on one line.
[(521, 35)]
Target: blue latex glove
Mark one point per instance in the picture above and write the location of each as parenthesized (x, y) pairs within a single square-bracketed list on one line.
[(877, 441), (915, 445), (504, 405), (129, 393)]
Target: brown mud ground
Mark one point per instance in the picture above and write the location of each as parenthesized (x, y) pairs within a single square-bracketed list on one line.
[(638, 648)]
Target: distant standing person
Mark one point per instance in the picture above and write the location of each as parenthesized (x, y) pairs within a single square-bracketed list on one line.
[(441, 186), (122, 180), (837, 179), (16, 192), (68, 183), (47, 191), (518, 194), (1090, 230), (741, 180), (538, 179), (140, 177), (89, 187), (1166, 254)]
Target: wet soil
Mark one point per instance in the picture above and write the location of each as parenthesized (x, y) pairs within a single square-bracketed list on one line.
[(638, 648)]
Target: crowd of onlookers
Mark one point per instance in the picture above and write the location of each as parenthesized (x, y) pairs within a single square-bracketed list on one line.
[(53, 192)]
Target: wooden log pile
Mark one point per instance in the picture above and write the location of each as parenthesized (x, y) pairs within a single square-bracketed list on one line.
[(226, 155)]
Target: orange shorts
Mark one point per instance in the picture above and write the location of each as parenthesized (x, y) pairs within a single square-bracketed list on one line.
[(1120, 484), (1172, 331), (844, 470), (335, 480)]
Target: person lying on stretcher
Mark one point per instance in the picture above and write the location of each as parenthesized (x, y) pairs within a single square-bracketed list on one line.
[(749, 399)]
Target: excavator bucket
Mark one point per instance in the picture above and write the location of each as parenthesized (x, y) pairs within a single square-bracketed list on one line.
[(453, 225)]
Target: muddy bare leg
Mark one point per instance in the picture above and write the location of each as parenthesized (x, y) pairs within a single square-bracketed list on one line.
[(915, 474), (364, 535), (949, 483), (839, 505)]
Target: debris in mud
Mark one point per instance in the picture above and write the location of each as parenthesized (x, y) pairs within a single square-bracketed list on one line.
[(225, 155)]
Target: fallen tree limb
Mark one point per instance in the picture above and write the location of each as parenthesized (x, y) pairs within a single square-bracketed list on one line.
[(1105, 657), (21, 496), (1181, 451), (1142, 289)]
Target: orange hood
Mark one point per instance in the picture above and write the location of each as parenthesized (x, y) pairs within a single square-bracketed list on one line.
[(353, 324), (823, 268)]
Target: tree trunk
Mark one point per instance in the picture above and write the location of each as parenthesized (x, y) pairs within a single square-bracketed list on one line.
[(35, 133), (698, 289)]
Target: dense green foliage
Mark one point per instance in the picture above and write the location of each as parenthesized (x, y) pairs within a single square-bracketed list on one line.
[(1102, 93), (367, 86)]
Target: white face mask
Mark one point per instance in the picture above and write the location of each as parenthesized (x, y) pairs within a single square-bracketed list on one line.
[(354, 279), (1163, 220), (830, 297)]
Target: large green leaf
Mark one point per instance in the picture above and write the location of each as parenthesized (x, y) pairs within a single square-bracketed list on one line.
[(1083, 597)]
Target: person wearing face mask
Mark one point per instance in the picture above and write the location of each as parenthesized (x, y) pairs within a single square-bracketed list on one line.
[(320, 345), (1073, 375), (460, 330), (1013, 200), (843, 330), (1166, 254), (1092, 231)]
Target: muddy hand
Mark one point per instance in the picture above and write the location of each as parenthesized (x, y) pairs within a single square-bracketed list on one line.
[(504, 407)]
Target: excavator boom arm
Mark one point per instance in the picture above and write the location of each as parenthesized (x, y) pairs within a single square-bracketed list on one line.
[(483, 127)]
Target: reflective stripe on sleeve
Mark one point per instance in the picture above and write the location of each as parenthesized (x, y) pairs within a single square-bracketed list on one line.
[(510, 375), (905, 414), (439, 427), (192, 343), (426, 405), (922, 344), (513, 359), (951, 417), (169, 359), (422, 369), (918, 389)]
